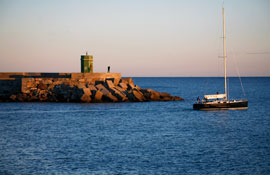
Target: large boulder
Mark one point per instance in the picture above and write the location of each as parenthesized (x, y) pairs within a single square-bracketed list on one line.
[(127, 84), (72, 83), (116, 81), (47, 81), (101, 87), (165, 96), (123, 86), (109, 84), (138, 95), (155, 95), (146, 93), (87, 91), (92, 88), (137, 87), (119, 89), (118, 94), (81, 85), (43, 95), (176, 98), (107, 95), (130, 86), (98, 96), (30, 83), (127, 80), (151, 95), (109, 98), (86, 98), (42, 86), (130, 96)]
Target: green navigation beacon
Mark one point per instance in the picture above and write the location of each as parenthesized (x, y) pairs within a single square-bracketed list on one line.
[(86, 63)]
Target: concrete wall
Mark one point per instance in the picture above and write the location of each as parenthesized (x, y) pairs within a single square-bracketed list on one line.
[(33, 75), (96, 75), (58, 75), (11, 83)]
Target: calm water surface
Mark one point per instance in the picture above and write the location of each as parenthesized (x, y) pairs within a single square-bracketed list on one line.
[(141, 138)]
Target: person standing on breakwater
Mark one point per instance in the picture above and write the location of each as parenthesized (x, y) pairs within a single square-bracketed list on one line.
[(108, 69)]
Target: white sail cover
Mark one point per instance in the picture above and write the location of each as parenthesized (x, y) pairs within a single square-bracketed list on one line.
[(215, 96)]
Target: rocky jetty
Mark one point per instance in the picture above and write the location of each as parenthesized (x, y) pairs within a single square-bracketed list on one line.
[(82, 90)]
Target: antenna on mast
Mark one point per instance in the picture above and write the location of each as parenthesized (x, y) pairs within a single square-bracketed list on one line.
[(224, 53)]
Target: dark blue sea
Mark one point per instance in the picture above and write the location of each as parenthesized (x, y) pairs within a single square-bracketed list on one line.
[(141, 138)]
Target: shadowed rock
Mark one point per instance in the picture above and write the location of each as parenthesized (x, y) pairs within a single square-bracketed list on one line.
[(118, 94), (130, 86), (139, 96), (107, 96)]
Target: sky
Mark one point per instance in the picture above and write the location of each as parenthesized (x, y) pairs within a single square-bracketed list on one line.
[(138, 38)]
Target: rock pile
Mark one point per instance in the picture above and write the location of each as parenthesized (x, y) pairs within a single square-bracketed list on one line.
[(82, 90)]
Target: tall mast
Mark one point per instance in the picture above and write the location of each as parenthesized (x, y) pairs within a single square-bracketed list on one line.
[(224, 53)]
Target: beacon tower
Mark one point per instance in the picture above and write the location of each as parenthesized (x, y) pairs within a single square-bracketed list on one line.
[(86, 63)]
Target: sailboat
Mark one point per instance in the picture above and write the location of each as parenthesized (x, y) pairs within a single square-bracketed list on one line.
[(220, 101)]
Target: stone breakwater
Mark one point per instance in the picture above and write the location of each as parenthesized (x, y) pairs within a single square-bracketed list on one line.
[(83, 90)]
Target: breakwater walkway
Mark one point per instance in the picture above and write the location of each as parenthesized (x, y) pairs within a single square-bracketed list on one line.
[(75, 87)]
